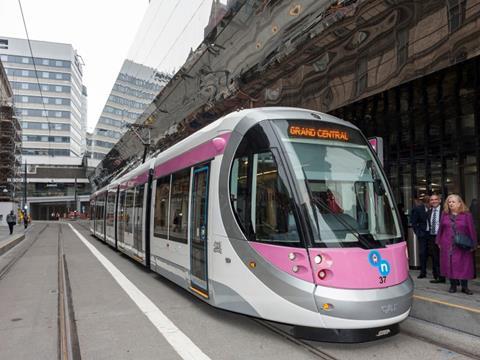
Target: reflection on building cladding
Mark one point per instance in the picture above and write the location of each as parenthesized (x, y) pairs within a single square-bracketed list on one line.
[(135, 88), (311, 54)]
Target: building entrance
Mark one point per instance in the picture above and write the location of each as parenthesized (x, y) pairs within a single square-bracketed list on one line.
[(44, 211)]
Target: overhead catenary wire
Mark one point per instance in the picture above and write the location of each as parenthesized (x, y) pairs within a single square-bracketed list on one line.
[(36, 77)]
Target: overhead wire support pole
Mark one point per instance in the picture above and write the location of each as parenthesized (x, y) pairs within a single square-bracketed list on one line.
[(25, 188), (146, 142)]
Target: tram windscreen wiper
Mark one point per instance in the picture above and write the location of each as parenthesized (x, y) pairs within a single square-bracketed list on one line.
[(367, 242), (378, 187)]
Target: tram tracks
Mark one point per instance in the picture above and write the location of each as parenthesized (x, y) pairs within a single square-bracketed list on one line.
[(320, 354), (68, 343), (350, 351), (431, 341)]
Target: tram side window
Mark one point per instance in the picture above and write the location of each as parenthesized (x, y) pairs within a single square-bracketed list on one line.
[(129, 210), (161, 207), (261, 201), (110, 208), (121, 216), (139, 197), (100, 207), (179, 206), (92, 210)]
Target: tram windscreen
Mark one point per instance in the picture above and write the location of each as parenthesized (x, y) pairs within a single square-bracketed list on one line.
[(341, 184)]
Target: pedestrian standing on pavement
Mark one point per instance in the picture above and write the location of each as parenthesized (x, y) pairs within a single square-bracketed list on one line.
[(419, 221), (25, 219), (433, 216), (456, 263), (11, 221)]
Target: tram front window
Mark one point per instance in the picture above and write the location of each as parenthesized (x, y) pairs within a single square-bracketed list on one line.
[(345, 191)]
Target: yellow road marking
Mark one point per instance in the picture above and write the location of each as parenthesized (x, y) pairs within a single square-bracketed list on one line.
[(446, 303)]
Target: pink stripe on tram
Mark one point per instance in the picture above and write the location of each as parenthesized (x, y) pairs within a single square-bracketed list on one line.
[(205, 151)]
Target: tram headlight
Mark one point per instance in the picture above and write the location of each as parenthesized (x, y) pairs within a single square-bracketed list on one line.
[(295, 269), (318, 259), (291, 256)]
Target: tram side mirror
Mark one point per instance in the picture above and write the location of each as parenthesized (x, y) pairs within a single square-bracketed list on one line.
[(378, 187)]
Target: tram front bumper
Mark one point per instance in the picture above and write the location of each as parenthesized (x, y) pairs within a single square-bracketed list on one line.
[(365, 305)]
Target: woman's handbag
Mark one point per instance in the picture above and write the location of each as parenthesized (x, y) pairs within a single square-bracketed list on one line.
[(463, 242), (460, 240)]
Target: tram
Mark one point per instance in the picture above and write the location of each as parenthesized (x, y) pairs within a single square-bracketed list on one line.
[(282, 214)]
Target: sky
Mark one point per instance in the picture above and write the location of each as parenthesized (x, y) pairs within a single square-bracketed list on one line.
[(101, 31), (106, 32)]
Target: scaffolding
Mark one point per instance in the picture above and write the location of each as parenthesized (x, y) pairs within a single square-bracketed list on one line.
[(10, 143)]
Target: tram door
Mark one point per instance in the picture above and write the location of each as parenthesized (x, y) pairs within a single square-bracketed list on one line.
[(198, 230)]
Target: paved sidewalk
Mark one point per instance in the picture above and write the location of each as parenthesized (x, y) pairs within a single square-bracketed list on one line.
[(8, 241), (433, 303)]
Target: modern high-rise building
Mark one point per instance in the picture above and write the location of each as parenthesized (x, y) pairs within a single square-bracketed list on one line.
[(50, 102), (49, 96), (134, 89)]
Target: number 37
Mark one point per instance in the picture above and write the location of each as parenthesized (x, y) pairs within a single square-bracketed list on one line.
[(383, 279)]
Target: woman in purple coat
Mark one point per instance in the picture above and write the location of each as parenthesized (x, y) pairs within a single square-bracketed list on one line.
[(455, 263)]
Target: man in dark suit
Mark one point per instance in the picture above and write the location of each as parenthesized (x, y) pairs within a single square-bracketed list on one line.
[(419, 221), (433, 216)]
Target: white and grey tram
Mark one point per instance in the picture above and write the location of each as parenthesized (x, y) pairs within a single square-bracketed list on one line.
[(282, 214)]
